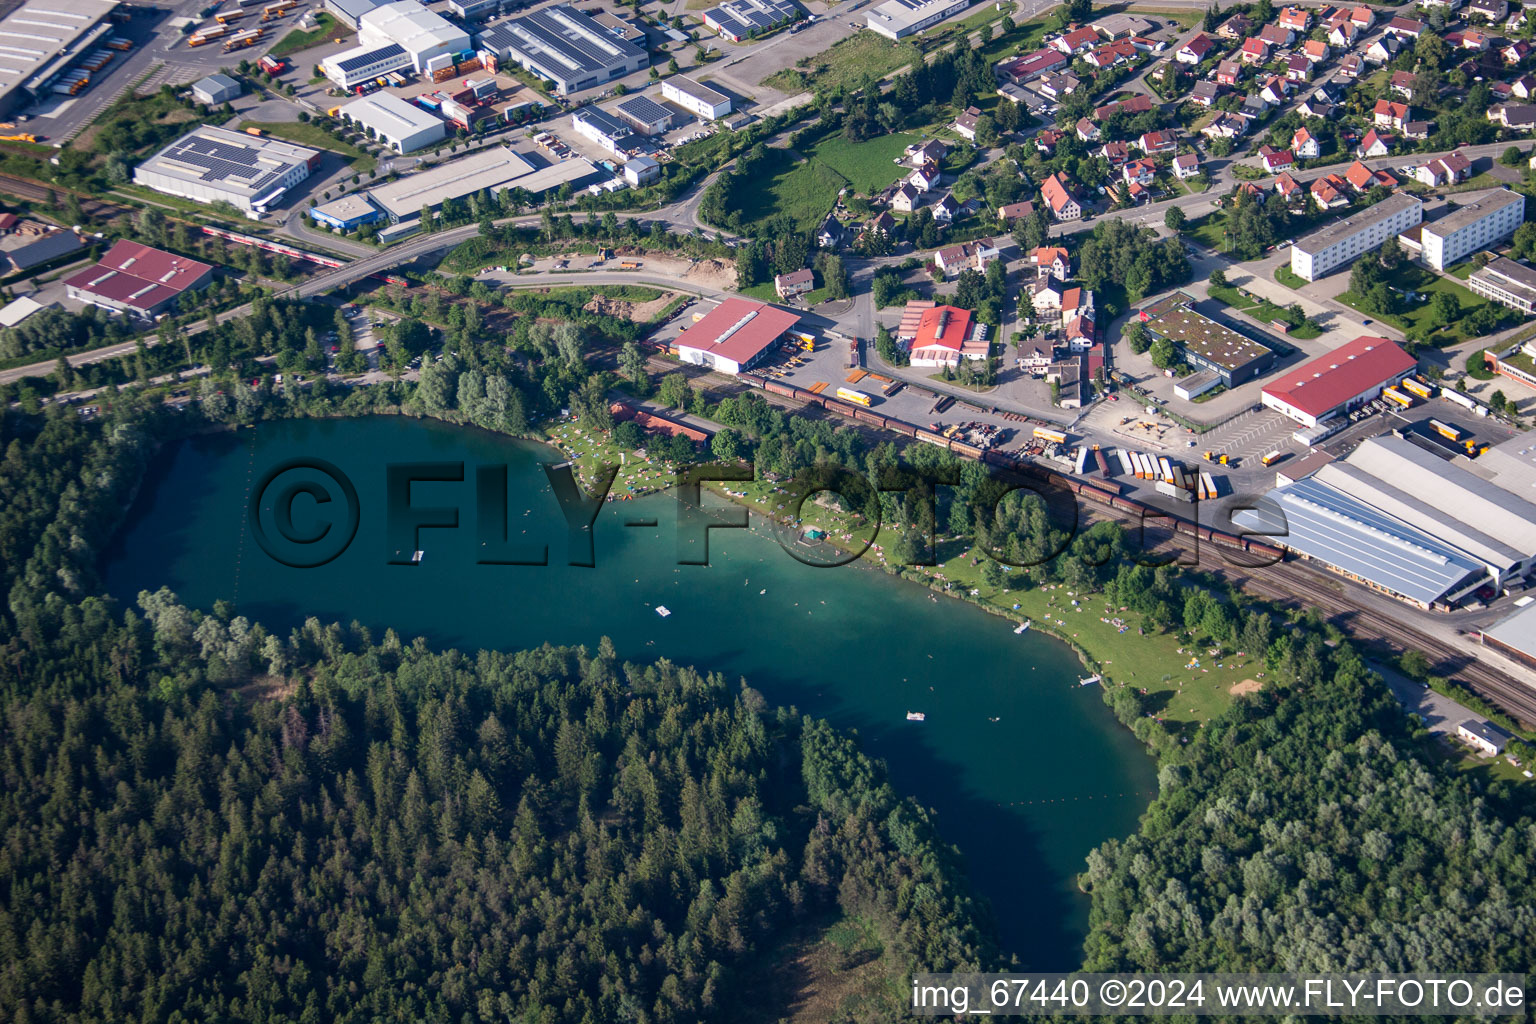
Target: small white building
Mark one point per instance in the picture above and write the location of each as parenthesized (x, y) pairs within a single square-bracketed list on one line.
[(1484, 737), (641, 170), (696, 98), (216, 89), (602, 128)]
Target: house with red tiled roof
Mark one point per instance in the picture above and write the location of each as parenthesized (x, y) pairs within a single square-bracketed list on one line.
[(1446, 170), (1298, 68), (1158, 142), (1116, 153), (1229, 72), (1196, 50), (1051, 261), (1402, 84), (1277, 35), (1315, 50), (1375, 143), (1515, 52), (1363, 17), (1387, 114), (1328, 193), (1275, 159), (1138, 104), (1087, 130), (1254, 51), (1058, 197), (1140, 171), (1361, 178), (1304, 145), (946, 335), (1046, 140), (1297, 19), (1010, 212), (1076, 41), (1342, 33), (1287, 186), (975, 255), (1407, 28)]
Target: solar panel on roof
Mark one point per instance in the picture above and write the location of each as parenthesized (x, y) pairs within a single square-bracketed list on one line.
[(363, 60)]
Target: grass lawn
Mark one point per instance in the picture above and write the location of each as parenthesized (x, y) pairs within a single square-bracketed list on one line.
[(1286, 276), (846, 62), (326, 27), (1185, 17), (313, 135), (1417, 315), (869, 166), (804, 189), (1210, 230), (1261, 309)]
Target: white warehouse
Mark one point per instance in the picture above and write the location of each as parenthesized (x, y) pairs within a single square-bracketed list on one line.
[(1338, 244), (416, 30), (1489, 217), (897, 19), (404, 126), (696, 98)]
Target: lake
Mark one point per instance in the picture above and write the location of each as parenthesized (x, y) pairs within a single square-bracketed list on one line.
[(1026, 770)]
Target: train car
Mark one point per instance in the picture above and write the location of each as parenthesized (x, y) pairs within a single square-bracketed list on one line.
[(1446, 431), (997, 458), (1094, 494), (779, 389), (864, 416), (841, 408), (966, 449), (910, 430), (931, 437)]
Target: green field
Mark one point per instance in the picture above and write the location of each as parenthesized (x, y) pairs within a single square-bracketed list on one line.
[(313, 135), (1417, 315), (326, 28), (869, 166), (1262, 310), (804, 189), (846, 62), (1286, 276)]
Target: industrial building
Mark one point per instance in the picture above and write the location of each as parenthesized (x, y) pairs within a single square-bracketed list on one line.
[(251, 173), (1510, 465), (424, 36), (737, 20), (641, 170), (478, 10), (41, 40), (1491, 526), (1205, 344), (564, 46), (349, 11), (133, 278), (896, 19), (1338, 244), (602, 128), (1515, 635), (696, 98), (494, 168), (1506, 282), (216, 89), (945, 335), (735, 335), (1321, 524), (1477, 224), (404, 126), (645, 116), (1344, 379), (351, 68), (348, 213)]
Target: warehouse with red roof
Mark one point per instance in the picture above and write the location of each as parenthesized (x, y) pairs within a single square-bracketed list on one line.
[(133, 278), (947, 334), (735, 336), (1344, 379)]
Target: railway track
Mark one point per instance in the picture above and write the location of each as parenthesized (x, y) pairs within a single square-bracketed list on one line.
[(26, 188)]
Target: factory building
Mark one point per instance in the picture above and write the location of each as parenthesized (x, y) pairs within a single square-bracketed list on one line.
[(738, 20), (1514, 636), (251, 173), (1205, 344), (133, 278), (699, 100), (1338, 244), (1344, 379), (602, 128), (347, 213), (216, 89), (494, 168), (351, 68), (564, 46), (1321, 524), (1489, 217), (735, 336), (422, 34), (41, 40), (644, 115), (897, 19), (349, 11), (404, 126)]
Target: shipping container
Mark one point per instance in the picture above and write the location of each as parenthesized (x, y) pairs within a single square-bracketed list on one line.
[(1210, 485), (1394, 395), (1047, 434), (1103, 463), (1413, 387), (1164, 469), (1446, 431), (1080, 460)]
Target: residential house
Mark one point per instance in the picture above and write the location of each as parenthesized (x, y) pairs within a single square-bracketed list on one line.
[(1382, 50), (1051, 261), (1516, 52), (1079, 332), (1087, 130), (1388, 114), (787, 286), (906, 198), (1406, 28), (1046, 139), (1045, 295), (1255, 106), (945, 209), (1059, 198), (925, 178), (1116, 153), (1447, 5), (1226, 126), (1054, 85), (1446, 170), (1139, 171), (1297, 19), (1361, 178), (1018, 70), (1229, 72), (1186, 166), (1489, 10), (1205, 93), (1114, 26), (1287, 186), (882, 224), (977, 255), (1275, 160), (1316, 51), (1375, 143), (1275, 91), (831, 234), (1516, 21), (1363, 17), (1298, 68), (1515, 116), (1158, 142), (965, 123), (1402, 84), (1236, 27), (1076, 41), (1036, 361), (1318, 108), (931, 152), (1196, 50), (1015, 211), (1076, 302), (1277, 35), (1133, 192), (1304, 144), (1523, 87), (1472, 39), (1254, 51), (1418, 130), (1342, 33), (1327, 192), (1352, 65), (1138, 104)]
